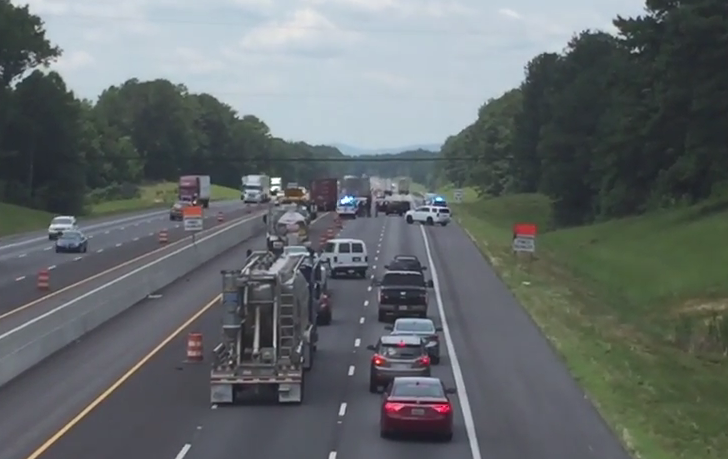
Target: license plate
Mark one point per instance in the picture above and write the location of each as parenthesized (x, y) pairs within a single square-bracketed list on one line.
[(357, 259), (402, 308), (401, 366), (418, 411)]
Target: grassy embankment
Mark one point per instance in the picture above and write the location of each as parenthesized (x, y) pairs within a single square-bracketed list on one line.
[(635, 307), (16, 219)]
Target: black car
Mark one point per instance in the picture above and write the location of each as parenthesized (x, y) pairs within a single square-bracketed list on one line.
[(402, 294), (72, 242), (397, 207), (405, 263)]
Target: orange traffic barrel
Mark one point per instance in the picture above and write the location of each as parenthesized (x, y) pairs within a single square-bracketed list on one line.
[(220, 217), (163, 236), (194, 347), (330, 233), (44, 280)]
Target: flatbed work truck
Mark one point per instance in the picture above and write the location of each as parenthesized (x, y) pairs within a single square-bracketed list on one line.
[(269, 332)]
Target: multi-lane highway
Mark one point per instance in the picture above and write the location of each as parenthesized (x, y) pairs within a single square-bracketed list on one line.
[(124, 391), (111, 243)]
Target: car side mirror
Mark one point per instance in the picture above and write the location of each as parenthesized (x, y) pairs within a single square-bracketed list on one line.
[(265, 219), (372, 347), (450, 391), (389, 327), (430, 284), (438, 329), (386, 266)]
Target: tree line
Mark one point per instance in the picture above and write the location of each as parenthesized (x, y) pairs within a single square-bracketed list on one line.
[(615, 125), (55, 147)]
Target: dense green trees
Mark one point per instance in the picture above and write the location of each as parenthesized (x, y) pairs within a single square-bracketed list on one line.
[(54, 148), (615, 125)]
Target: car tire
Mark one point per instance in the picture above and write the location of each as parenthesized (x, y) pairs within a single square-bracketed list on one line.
[(57, 251), (410, 220), (384, 434), (447, 437), (373, 387), (430, 221)]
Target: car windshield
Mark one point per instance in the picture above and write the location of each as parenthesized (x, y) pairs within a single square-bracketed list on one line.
[(417, 389), (405, 279), (71, 235), (62, 221), (414, 326), (400, 352)]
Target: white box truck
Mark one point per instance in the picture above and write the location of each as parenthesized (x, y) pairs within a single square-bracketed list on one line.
[(255, 189)]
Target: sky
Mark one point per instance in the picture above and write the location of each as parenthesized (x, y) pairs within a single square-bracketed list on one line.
[(369, 73)]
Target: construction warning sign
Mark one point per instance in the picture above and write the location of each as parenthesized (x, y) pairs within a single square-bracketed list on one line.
[(193, 218)]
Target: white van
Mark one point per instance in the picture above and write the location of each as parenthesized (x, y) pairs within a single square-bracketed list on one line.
[(346, 257)]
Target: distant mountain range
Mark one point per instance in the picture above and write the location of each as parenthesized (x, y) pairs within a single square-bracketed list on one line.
[(356, 151)]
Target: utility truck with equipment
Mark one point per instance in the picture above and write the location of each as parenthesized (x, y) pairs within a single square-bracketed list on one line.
[(268, 332)]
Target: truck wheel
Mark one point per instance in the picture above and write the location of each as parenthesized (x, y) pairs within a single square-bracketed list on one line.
[(410, 220)]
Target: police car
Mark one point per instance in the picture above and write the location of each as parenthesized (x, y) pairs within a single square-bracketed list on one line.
[(347, 207)]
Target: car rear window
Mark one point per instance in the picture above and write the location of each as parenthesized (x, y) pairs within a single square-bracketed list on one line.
[(418, 389), (404, 279), (414, 326), (444, 211), (357, 247), (400, 352), (344, 247)]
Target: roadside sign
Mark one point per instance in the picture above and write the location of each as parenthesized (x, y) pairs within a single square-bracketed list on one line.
[(458, 195), (524, 237), (192, 216)]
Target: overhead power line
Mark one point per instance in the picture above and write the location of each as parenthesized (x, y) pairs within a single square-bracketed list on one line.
[(350, 159)]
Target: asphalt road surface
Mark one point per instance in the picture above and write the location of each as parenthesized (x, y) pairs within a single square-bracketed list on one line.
[(515, 399), (109, 246)]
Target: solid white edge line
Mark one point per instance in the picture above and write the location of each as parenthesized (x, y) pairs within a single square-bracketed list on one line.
[(454, 362), (121, 278), (183, 452)]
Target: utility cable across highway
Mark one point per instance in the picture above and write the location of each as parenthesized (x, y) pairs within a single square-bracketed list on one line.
[(515, 398)]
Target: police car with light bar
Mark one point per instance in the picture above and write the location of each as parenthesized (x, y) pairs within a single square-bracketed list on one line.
[(347, 207)]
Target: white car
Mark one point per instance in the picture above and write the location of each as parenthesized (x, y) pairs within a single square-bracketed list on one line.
[(61, 224), (346, 209), (346, 256), (429, 215)]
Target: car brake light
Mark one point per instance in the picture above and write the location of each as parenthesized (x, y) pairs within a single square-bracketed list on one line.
[(390, 407), (424, 360), (378, 360), (442, 409)]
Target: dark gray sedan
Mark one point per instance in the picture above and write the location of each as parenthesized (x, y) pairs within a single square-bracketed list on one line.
[(425, 329), (72, 242)]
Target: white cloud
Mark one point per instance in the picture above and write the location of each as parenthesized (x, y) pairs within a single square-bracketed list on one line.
[(306, 31), (369, 72), (72, 61)]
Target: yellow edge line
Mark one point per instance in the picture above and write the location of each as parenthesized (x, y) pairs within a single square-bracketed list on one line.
[(115, 268), (91, 406), (134, 369)]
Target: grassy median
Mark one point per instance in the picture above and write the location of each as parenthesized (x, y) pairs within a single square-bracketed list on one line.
[(16, 219), (634, 306)]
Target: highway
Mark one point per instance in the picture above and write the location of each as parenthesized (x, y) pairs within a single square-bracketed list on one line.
[(111, 243), (515, 398)]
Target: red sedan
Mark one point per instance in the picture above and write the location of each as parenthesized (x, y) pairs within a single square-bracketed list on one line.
[(417, 405)]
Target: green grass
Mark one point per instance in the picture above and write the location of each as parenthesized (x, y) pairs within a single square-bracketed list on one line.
[(16, 219), (153, 196), (634, 308)]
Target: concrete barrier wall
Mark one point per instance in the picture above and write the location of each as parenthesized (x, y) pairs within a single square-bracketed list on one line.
[(35, 340)]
